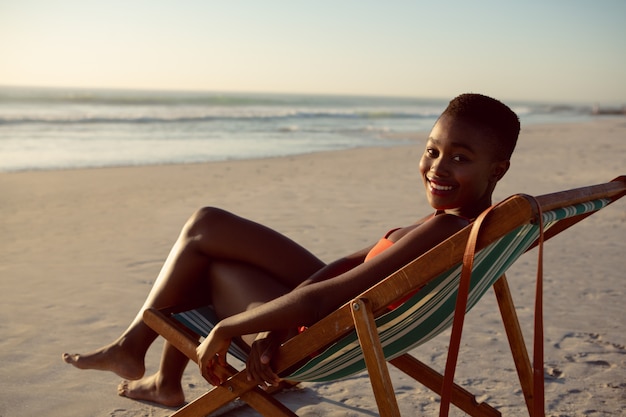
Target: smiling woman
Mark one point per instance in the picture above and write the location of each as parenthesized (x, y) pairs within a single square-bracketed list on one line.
[(264, 286), (467, 153)]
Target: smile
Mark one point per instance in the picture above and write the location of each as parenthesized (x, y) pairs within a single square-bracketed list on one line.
[(438, 188)]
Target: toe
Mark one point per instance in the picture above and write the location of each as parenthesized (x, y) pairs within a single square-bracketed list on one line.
[(67, 358), (122, 388)]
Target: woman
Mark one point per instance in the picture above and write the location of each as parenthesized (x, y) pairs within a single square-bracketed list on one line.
[(263, 286)]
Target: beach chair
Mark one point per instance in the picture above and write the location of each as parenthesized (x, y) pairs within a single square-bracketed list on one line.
[(364, 335)]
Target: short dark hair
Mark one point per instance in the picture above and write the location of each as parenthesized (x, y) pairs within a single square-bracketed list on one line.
[(490, 114)]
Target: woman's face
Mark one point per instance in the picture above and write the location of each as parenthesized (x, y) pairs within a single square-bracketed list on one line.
[(459, 169)]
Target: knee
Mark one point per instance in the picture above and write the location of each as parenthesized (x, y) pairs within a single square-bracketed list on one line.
[(205, 219)]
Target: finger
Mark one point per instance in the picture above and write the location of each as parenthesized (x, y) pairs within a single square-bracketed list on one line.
[(266, 358), (266, 368), (265, 375), (208, 373), (270, 377), (253, 361), (259, 371), (256, 375), (221, 359), (252, 370)]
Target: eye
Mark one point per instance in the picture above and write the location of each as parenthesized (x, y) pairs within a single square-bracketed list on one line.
[(460, 158), (432, 152)]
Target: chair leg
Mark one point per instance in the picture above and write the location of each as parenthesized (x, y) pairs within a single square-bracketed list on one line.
[(220, 396), (374, 358), (238, 386), (516, 340), (433, 380)]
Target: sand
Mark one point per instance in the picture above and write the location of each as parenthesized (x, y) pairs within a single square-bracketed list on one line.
[(79, 250)]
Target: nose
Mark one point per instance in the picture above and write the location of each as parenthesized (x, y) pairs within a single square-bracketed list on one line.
[(439, 167)]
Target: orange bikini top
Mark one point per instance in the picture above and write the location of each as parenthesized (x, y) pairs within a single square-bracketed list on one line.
[(382, 245)]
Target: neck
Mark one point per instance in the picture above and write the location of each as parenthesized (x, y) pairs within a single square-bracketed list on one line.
[(469, 213)]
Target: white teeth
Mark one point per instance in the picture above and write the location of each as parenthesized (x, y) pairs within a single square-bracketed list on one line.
[(441, 187)]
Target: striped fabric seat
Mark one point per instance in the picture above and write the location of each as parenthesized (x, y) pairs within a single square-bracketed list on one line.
[(429, 312), (201, 321)]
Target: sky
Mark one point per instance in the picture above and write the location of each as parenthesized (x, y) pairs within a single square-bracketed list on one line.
[(539, 50)]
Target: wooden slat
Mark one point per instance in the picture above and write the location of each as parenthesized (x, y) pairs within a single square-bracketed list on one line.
[(612, 190), (170, 330), (237, 387), (374, 358), (516, 339)]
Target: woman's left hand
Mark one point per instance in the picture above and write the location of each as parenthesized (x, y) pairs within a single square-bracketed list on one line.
[(259, 360), (212, 355)]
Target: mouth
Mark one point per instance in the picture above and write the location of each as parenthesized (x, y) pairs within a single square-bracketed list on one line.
[(437, 187)]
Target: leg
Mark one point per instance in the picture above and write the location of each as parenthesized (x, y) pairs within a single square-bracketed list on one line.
[(235, 287), (164, 387), (210, 235)]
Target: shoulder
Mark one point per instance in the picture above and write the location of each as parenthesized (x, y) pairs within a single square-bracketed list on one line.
[(442, 226), (434, 226), (426, 235), (444, 219)]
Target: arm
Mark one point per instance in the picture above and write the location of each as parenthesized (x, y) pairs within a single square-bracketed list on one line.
[(214, 348), (265, 344), (338, 267)]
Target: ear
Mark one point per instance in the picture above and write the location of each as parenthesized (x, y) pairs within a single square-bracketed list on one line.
[(498, 169)]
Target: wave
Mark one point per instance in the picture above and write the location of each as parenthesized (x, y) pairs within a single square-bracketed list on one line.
[(551, 109), (197, 98), (24, 106), (71, 119), (126, 97)]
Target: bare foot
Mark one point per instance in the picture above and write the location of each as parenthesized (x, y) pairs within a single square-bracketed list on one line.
[(153, 389), (112, 358)]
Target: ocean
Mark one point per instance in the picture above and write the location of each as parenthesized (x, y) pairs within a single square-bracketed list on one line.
[(48, 129)]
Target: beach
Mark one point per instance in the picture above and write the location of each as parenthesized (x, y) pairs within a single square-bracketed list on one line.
[(80, 249)]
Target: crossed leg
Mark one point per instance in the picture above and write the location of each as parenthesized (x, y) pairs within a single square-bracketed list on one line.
[(163, 387), (221, 258), (235, 287)]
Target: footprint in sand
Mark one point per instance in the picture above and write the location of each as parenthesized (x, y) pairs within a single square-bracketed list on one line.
[(122, 412), (589, 349), (554, 372)]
